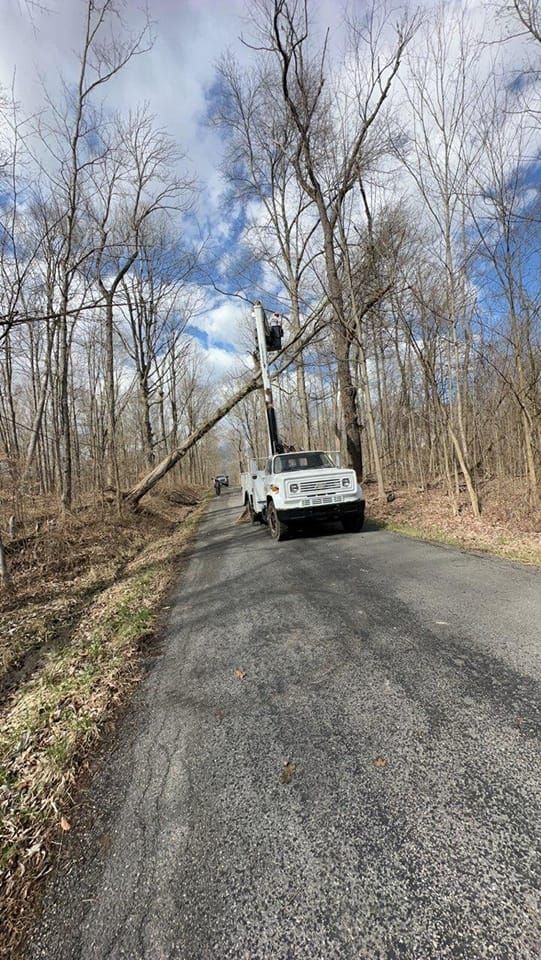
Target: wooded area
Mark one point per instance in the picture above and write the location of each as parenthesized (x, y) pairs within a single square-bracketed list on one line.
[(378, 185), (392, 194)]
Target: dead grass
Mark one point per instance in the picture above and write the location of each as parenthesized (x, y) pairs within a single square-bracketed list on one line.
[(57, 572), (77, 640), (507, 528)]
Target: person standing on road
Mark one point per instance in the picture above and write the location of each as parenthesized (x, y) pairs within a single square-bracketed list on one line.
[(217, 487)]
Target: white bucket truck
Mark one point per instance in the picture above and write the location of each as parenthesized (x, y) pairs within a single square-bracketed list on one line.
[(295, 487)]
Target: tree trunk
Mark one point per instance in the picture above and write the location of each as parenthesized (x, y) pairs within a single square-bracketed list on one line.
[(152, 478), (110, 395), (64, 446), (363, 376), (348, 402), (5, 579), (301, 380), (148, 435), (38, 417)]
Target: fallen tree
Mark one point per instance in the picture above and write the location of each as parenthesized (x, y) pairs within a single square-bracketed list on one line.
[(151, 479), (299, 343)]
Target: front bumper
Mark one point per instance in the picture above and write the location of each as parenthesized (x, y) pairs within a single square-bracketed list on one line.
[(323, 511)]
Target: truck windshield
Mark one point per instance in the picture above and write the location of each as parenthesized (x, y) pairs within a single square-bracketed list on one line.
[(301, 461)]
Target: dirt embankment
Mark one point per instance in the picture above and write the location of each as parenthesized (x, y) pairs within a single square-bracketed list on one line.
[(508, 527), (86, 594)]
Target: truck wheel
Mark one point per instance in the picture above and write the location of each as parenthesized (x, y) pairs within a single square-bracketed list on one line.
[(353, 524), (278, 530)]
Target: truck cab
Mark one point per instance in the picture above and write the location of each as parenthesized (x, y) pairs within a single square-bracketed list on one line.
[(296, 488)]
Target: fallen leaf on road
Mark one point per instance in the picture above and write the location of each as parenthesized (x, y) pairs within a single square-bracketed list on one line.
[(106, 841), (219, 714), (240, 674), (379, 762), (65, 824), (288, 770)]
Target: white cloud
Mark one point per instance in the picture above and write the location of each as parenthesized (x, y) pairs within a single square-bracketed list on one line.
[(174, 77), (225, 324), (219, 360)]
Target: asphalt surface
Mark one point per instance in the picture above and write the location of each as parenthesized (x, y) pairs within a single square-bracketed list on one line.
[(400, 682)]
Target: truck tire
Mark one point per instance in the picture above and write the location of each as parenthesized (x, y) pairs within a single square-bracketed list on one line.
[(353, 523), (278, 529)]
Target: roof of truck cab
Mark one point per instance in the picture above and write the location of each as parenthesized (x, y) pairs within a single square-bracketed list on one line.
[(298, 453)]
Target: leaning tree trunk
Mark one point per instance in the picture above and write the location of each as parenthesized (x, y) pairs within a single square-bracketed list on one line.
[(165, 465), (162, 468)]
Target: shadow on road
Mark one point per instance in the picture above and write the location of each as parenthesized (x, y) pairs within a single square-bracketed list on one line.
[(329, 529), (244, 536), (225, 509), (473, 675)]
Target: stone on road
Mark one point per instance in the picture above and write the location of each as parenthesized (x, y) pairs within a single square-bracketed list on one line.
[(334, 755)]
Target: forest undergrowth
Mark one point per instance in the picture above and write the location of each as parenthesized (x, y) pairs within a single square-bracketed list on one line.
[(508, 527), (84, 604)]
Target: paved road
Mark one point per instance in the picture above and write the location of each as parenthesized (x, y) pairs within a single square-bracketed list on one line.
[(401, 683)]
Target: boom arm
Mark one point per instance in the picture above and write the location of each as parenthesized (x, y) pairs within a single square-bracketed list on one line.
[(272, 428)]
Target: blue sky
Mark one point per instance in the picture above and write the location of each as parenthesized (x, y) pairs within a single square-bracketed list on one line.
[(176, 78)]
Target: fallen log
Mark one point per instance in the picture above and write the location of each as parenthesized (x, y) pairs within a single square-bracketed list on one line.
[(151, 479)]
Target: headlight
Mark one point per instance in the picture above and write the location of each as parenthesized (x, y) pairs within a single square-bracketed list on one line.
[(346, 482), (293, 487)]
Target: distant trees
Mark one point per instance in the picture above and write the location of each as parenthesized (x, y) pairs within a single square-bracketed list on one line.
[(336, 139), (432, 260), (390, 203), (91, 255), (506, 217)]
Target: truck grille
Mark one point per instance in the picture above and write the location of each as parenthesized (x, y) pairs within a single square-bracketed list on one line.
[(318, 501), (308, 487)]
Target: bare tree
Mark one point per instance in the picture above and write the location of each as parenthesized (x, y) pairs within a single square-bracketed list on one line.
[(440, 158), (74, 148), (505, 225), (134, 183), (259, 167), (330, 149), (157, 306)]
